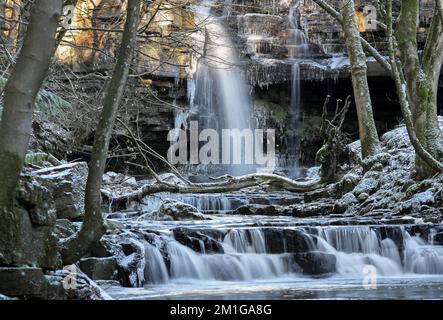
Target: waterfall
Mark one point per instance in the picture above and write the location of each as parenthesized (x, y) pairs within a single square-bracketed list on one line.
[(187, 264), (155, 268), (297, 42), (295, 108), (221, 92), (298, 47), (245, 241), (355, 247), (251, 253), (205, 202)]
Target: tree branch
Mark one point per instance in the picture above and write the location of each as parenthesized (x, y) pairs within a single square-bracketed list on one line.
[(366, 45)]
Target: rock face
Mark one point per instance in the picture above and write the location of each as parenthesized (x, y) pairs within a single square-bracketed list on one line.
[(44, 195), (26, 233), (67, 185)]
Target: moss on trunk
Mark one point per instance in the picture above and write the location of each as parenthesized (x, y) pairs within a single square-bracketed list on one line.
[(368, 132)]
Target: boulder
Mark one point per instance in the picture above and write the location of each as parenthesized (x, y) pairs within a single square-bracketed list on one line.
[(64, 228), (177, 211), (259, 209), (347, 201), (286, 240), (208, 241), (26, 231), (71, 284), (129, 254), (376, 162), (366, 185), (426, 197), (37, 200), (311, 209), (23, 282), (362, 197), (100, 268), (67, 185), (316, 263), (26, 243)]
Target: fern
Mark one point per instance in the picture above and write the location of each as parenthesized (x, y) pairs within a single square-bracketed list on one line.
[(33, 158), (46, 101)]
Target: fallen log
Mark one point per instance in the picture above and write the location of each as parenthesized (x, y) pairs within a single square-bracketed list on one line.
[(229, 185)]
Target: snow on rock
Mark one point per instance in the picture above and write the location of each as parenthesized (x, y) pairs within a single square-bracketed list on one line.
[(67, 185), (176, 211)]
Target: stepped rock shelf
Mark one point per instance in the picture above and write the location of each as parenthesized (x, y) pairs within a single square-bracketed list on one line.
[(237, 256)]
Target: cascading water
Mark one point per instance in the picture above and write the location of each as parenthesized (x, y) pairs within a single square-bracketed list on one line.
[(271, 253), (221, 93), (297, 43), (298, 47)]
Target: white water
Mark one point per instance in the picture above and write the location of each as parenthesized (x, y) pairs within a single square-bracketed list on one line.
[(297, 43), (298, 47), (208, 202), (220, 92), (246, 256), (187, 264)]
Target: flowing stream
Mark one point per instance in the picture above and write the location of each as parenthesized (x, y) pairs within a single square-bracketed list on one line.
[(234, 256)]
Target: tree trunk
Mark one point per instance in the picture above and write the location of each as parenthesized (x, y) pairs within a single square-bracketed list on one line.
[(423, 156), (426, 120), (92, 228), (370, 144), (406, 35), (21, 91), (422, 80)]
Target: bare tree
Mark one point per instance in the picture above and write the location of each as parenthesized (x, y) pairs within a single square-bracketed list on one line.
[(93, 225), (416, 78), (21, 91)]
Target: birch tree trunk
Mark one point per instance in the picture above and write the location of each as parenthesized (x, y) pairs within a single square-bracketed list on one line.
[(21, 90), (370, 144), (93, 225)]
